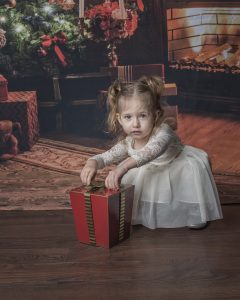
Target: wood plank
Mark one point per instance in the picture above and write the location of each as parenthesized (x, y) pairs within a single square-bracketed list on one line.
[(83, 102), (202, 3), (170, 89), (216, 134), (40, 258)]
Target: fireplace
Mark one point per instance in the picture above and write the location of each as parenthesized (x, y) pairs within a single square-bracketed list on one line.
[(203, 53)]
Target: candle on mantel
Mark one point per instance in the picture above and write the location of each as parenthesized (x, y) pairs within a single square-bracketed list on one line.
[(123, 13), (81, 9)]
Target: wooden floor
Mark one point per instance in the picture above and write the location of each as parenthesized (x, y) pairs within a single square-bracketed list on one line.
[(216, 134), (41, 259)]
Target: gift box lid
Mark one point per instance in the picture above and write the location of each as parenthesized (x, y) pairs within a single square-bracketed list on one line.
[(98, 188)]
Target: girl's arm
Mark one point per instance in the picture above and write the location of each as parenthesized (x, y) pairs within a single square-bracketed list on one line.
[(89, 171), (114, 176), (114, 155)]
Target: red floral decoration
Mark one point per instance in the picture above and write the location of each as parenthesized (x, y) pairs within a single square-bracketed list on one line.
[(104, 22)]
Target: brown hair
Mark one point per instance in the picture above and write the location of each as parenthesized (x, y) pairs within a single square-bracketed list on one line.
[(148, 88)]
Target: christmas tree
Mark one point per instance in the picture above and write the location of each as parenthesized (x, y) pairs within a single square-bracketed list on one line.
[(40, 37)]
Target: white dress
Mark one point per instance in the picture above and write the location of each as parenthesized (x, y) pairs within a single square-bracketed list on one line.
[(174, 185)]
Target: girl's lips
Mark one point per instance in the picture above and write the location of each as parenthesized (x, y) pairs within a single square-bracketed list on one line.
[(136, 132)]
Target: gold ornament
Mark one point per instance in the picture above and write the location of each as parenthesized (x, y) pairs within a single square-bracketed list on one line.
[(68, 4)]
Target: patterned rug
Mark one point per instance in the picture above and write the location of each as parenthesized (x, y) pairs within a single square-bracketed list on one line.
[(41, 179), (57, 156)]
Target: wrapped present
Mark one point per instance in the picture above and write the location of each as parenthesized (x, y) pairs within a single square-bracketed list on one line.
[(102, 217), (3, 88), (22, 107)]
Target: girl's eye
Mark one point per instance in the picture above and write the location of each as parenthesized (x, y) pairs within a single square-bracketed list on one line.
[(127, 117), (143, 116)]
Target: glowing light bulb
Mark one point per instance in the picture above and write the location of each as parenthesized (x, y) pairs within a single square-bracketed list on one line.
[(48, 9), (19, 28), (2, 19)]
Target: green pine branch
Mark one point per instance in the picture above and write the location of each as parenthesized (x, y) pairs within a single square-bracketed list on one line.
[(27, 23)]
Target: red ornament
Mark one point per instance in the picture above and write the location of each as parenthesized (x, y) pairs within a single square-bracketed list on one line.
[(140, 5)]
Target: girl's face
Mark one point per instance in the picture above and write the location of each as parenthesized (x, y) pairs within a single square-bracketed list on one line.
[(136, 119)]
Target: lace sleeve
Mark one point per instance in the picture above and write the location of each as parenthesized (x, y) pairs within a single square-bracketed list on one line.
[(156, 145), (116, 154)]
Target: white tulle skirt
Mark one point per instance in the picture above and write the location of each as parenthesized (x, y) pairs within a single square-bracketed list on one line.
[(175, 194)]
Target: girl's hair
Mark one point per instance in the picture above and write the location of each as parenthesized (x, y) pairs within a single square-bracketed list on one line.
[(148, 88)]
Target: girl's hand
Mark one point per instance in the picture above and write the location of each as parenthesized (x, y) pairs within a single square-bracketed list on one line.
[(89, 171), (113, 178)]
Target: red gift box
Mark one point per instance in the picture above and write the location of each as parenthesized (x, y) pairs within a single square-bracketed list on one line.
[(22, 107), (102, 217), (3, 88)]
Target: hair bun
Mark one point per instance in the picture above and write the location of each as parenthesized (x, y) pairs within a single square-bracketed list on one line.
[(115, 88), (154, 84)]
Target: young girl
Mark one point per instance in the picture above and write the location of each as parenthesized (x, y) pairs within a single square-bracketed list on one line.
[(174, 186)]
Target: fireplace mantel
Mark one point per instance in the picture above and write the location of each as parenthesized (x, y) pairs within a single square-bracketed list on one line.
[(203, 3)]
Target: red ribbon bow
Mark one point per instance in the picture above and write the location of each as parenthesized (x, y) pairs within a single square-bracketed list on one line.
[(140, 5), (47, 41)]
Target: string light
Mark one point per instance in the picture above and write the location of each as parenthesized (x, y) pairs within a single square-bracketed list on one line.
[(57, 19), (2, 19), (19, 28), (48, 9)]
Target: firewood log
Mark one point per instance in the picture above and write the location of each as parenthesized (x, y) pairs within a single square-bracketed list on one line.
[(234, 59), (213, 52)]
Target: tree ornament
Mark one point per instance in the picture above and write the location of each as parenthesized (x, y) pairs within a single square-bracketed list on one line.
[(68, 4), (11, 3), (3, 39)]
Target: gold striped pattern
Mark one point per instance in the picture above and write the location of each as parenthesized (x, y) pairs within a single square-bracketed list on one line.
[(125, 73), (88, 208), (122, 215)]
